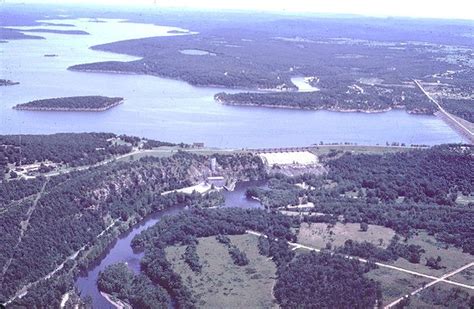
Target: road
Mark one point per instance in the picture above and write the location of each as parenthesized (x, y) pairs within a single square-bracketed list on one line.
[(440, 279), (23, 228), (465, 130), (435, 279), (24, 290)]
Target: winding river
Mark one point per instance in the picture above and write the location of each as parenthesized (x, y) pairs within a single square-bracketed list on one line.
[(172, 110), (121, 251)]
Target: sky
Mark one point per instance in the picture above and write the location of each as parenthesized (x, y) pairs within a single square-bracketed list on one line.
[(452, 9)]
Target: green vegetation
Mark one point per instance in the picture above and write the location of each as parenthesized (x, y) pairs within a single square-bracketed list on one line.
[(404, 191), (7, 82), (370, 100), (354, 70), (221, 283), (136, 290), (326, 281), (46, 220), (83, 103), (73, 149)]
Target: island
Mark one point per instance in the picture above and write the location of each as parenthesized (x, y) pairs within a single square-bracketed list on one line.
[(7, 82), (43, 30), (50, 55), (72, 104), (354, 72)]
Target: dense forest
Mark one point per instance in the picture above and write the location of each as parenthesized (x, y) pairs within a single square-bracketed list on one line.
[(352, 71), (404, 191), (69, 211), (73, 149), (186, 227), (315, 280), (82, 103), (135, 289), (7, 82), (335, 98)]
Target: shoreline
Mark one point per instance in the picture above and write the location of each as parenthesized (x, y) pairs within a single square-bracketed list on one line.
[(118, 304), (323, 108), (66, 109)]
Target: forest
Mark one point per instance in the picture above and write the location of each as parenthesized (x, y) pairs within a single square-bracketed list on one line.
[(70, 210), (81, 103), (404, 191), (7, 82), (355, 72), (135, 289), (315, 280), (335, 98), (73, 149)]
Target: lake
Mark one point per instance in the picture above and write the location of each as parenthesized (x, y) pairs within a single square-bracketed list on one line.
[(172, 110)]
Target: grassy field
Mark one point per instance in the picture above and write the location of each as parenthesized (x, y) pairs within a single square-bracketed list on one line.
[(451, 258), (165, 151), (221, 284), (442, 295), (466, 276), (319, 234), (325, 149), (395, 284)]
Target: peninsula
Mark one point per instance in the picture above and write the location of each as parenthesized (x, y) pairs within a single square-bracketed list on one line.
[(75, 104), (7, 82)]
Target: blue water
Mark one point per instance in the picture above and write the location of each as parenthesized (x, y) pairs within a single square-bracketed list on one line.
[(173, 110)]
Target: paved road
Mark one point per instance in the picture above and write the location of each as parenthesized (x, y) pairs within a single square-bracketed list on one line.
[(465, 129), (440, 279), (436, 279)]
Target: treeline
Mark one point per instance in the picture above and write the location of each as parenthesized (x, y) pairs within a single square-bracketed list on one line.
[(81, 103), (134, 289), (316, 280), (403, 191), (340, 98), (395, 249), (434, 175), (73, 149), (7, 82), (70, 213), (185, 227)]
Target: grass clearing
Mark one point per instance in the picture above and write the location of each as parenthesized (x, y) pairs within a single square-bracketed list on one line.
[(326, 149), (319, 234), (465, 277), (451, 258), (442, 295), (221, 283), (394, 283)]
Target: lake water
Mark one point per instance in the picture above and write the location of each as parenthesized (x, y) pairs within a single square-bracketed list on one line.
[(171, 110), (121, 251)]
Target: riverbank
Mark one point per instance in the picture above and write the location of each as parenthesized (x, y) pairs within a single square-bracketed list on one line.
[(117, 303)]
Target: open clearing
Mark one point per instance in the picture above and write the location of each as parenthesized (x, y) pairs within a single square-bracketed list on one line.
[(433, 297), (451, 258), (466, 276), (221, 284), (394, 283), (319, 234)]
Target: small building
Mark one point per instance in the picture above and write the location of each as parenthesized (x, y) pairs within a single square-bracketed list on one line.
[(198, 145), (217, 181)]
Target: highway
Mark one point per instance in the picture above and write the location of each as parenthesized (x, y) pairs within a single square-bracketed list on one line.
[(450, 119)]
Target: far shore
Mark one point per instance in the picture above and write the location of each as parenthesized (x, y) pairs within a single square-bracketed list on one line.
[(66, 109)]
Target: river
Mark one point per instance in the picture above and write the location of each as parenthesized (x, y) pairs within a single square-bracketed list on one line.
[(121, 251), (172, 110)]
